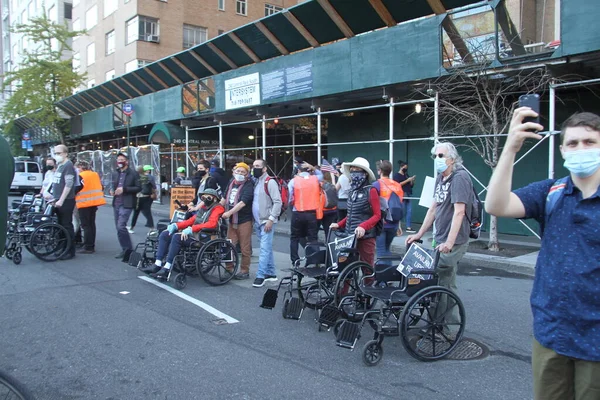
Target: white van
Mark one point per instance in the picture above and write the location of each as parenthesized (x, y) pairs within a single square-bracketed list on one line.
[(28, 176)]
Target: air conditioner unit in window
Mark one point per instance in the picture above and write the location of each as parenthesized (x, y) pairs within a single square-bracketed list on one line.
[(152, 38)]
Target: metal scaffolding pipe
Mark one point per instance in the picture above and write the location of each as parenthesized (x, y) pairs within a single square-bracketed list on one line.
[(578, 83), (551, 141), (221, 151), (391, 132), (436, 123), (319, 136), (187, 151), (264, 137)]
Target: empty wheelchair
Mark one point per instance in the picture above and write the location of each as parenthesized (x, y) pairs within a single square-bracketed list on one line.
[(430, 319), (313, 285)]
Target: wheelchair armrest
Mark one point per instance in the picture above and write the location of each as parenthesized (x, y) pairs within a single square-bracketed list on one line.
[(392, 256)]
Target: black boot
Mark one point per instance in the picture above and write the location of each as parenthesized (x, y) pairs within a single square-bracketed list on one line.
[(150, 269), (162, 274)]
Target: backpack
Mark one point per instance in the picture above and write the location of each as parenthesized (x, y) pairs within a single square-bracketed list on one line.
[(395, 208), (147, 188), (476, 216), (384, 207), (78, 183), (283, 191), (330, 193), (554, 194)]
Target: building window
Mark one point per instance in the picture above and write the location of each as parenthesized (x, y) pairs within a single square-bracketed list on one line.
[(68, 10), (142, 28), (270, 9), (221, 5), (109, 75), (91, 17), (135, 64), (76, 27), (91, 83), (76, 62), (241, 7), (110, 42), (110, 6), (91, 54), (193, 35), (220, 32)]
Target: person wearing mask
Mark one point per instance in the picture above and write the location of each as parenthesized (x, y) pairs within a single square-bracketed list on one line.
[(407, 182), (343, 188), (50, 168), (63, 190), (145, 197), (266, 208), (180, 176), (364, 210), (125, 186), (305, 197), (238, 203), (202, 181), (170, 242), (386, 186), (88, 199), (219, 174)]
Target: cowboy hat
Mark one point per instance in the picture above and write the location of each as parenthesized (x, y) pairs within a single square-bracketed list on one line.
[(360, 163)]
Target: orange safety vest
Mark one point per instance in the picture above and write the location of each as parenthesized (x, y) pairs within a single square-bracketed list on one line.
[(388, 186), (307, 193), (91, 194)]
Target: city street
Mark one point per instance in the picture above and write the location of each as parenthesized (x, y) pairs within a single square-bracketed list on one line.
[(90, 328)]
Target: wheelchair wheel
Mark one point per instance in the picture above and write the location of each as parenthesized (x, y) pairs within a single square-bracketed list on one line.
[(10, 251), (180, 281), (218, 262), (347, 287), (17, 258), (372, 353), (316, 295), (49, 242), (426, 332)]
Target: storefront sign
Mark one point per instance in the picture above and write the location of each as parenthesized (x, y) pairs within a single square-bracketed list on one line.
[(287, 82), (242, 92)]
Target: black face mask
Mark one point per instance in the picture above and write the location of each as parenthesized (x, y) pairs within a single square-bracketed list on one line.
[(200, 173), (257, 172), (49, 167)]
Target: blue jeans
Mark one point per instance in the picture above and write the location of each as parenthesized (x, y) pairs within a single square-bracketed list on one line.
[(266, 262), (121, 217), (384, 243), (407, 212), (172, 243)]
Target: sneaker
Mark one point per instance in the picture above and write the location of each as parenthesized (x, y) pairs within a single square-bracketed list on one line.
[(259, 282), (120, 255), (86, 251), (151, 269), (410, 230), (242, 275), (130, 229), (270, 278)]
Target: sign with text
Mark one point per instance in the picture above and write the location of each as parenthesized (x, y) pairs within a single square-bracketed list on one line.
[(242, 92), (416, 258), (287, 82), (339, 245), (183, 194)]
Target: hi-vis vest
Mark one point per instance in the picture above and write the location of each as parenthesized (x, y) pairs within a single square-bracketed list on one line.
[(307, 193), (91, 194), (387, 186)]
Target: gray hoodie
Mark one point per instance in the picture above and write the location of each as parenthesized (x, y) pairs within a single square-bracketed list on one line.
[(266, 206)]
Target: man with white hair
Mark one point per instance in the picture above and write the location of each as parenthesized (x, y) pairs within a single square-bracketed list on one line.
[(452, 199), (63, 190)]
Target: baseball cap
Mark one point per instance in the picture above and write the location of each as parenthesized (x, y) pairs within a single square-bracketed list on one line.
[(148, 168), (181, 169)]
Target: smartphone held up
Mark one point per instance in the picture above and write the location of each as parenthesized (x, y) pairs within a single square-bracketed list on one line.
[(532, 101)]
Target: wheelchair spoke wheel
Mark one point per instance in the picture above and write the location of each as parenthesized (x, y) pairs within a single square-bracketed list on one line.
[(11, 389), (49, 242), (180, 281), (315, 295), (218, 262), (432, 323), (372, 353), (354, 303)]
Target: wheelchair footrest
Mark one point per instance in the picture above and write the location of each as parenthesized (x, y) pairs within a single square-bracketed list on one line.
[(269, 299), (329, 315), (293, 308), (348, 335), (135, 259)]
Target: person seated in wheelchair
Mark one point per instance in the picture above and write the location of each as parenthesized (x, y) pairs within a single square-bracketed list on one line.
[(170, 242)]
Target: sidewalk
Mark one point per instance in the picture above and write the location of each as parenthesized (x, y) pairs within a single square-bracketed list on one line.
[(524, 264)]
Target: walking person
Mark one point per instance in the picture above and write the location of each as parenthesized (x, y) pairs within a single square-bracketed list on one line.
[(125, 186), (145, 197), (63, 190), (266, 208), (238, 203), (89, 198), (391, 227), (407, 182), (343, 188), (329, 203), (50, 169), (564, 298)]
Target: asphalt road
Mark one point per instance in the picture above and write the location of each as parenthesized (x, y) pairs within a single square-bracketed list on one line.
[(89, 328)]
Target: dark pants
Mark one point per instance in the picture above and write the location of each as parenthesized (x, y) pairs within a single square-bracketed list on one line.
[(144, 206), (342, 214), (172, 243), (384, 242), (304, 225), (88, 226), (64, 214), (122, 215), (329, 217)]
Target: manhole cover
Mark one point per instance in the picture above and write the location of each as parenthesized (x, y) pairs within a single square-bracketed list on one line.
[(469, 349)]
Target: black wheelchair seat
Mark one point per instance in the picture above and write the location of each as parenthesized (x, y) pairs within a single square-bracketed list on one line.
[(312, 272), (386, 294)]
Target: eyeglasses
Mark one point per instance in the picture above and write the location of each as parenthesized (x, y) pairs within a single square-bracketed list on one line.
[(205, 198), (438, 155)]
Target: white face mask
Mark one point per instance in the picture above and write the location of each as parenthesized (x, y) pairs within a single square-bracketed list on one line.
[(59, 159), (440, 165), (582, 163), (239, 177)]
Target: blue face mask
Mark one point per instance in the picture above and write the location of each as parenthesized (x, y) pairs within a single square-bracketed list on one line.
[(582, 163), (440, 165)]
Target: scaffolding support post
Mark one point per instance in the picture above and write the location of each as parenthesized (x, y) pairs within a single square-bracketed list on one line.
[(187, 151), (391, 132), (436, 123), (264, 137), (319, 136), (221, 153), (551, 127)]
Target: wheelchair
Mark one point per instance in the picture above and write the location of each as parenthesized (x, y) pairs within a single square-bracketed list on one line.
[(413, 307), (39, 232), (313, 285)]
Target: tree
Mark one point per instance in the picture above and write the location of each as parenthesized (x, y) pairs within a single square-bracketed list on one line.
[(43, 77), (478, 102)]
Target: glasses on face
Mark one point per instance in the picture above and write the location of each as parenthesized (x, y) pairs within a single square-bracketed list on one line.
[(438, 155), (204, 199)]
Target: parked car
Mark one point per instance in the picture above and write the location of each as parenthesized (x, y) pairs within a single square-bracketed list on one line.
[(28, 176)]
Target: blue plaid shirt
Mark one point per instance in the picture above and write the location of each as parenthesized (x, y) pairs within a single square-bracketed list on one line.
[(565, 299)]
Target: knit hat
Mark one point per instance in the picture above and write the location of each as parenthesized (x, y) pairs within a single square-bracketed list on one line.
[(242, 165)]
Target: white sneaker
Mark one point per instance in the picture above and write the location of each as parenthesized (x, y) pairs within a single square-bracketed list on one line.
[(270, 278), (130, 230)]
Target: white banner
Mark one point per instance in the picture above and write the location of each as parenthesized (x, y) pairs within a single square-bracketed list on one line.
[(242, 92), (427, 193)]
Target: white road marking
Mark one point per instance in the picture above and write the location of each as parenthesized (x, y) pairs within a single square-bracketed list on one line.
[(191, 299), (124, 292)]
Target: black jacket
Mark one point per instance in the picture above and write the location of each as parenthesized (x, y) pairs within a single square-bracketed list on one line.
[(131, 186), (222, 180)]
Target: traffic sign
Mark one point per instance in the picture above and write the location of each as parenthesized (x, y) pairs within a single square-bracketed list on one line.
[(127, 109)]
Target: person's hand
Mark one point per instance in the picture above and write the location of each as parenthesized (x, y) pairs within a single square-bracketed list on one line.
[(413, 238), (268, 226), (360, 232), (119, 191), (334, 226), (172, 228), (412, 178), (190, 205), (38, 195), (111, 192), (226, 215), (519, 131), (399, 232), (58, 204), (445, 247), (307, 165), (186, 232)]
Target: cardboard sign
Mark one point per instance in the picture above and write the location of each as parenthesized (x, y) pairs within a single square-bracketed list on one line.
[(339, 245), (426, 198), (416, 258), (183, 194)]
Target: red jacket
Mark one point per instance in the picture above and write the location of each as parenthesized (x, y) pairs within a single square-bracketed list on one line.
[(212, 223)]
